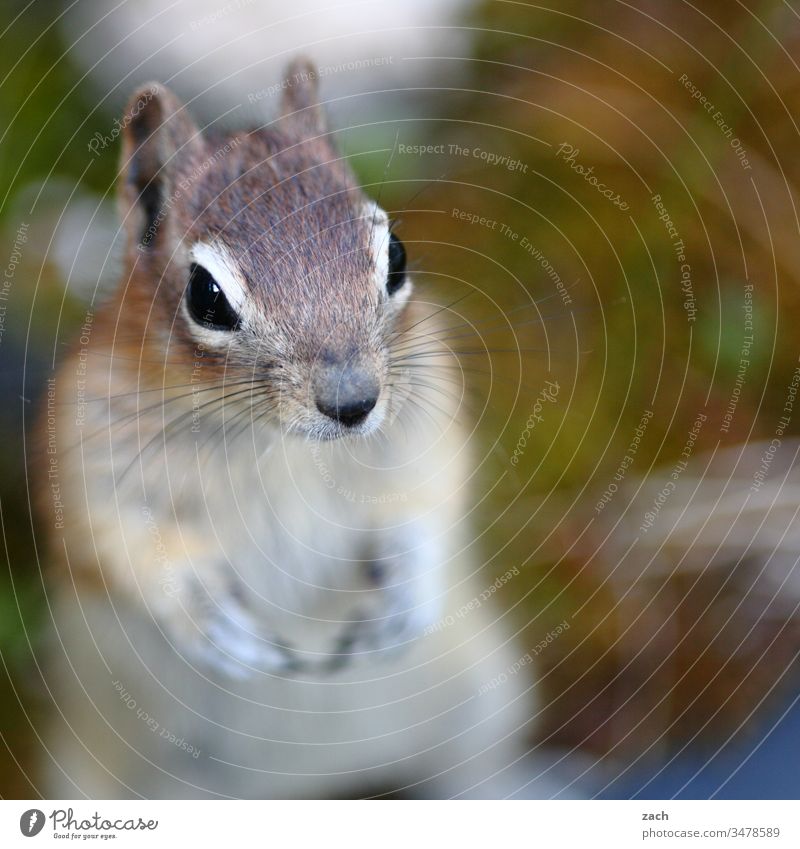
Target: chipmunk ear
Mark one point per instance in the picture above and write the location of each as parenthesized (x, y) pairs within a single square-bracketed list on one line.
[(158, 135), (300, 103)]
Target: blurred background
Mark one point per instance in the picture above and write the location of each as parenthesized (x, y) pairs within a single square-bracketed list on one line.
[(609, 191)]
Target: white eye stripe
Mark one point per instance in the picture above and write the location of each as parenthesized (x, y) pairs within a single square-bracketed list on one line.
[(379, 230), (222, 267)]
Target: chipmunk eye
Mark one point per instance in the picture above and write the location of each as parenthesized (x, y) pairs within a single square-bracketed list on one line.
[(397, 264), (206, 301)]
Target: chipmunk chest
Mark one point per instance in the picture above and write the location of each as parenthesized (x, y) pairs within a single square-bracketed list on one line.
[(333, 577)]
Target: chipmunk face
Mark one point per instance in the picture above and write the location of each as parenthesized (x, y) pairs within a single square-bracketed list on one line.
[(272, 267)]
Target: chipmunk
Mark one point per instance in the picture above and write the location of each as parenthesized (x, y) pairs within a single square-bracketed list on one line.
[(264, 538)]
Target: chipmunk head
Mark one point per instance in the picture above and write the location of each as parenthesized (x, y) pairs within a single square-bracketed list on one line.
[(258, 254)]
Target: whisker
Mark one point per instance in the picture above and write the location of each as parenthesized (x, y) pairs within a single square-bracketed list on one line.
[(131, 416), (454, 353), (532, 304), (428, 317), (169, 430), (211, 357), (462, 368), (215, 384), (442, 337), (226, 424)]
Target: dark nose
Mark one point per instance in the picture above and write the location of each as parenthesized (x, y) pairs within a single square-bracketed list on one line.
[(347, 394)]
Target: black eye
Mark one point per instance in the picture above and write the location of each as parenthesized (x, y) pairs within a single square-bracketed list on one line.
[(397, 264), (207, 304)]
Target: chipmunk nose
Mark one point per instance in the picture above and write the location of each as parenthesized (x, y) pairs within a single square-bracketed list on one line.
[(346, 394)]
